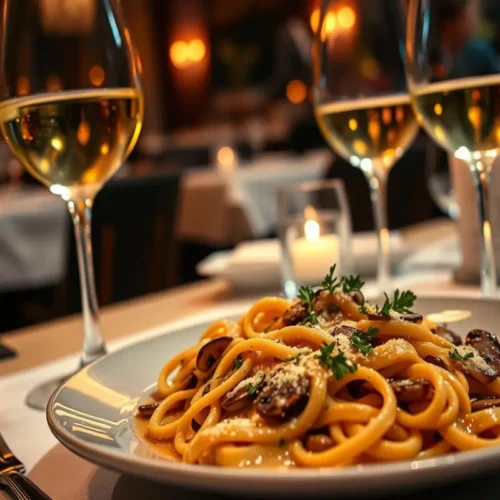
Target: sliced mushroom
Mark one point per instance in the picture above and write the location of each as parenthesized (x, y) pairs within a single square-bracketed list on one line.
[(447, 334), (211, 352), (411, 390), (147, 410), (236, 400), (358, 297), (378, 317), (359, 388), (487, 345), (437, 361), (346, 330), (284, 392), (411, 318), (475, 366), (478, 404), (296, 314), (318, 442)]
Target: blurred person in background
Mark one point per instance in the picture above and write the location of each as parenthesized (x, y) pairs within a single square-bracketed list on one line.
[(460, 52)]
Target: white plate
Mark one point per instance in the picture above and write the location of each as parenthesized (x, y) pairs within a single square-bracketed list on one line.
[(92, 414), (239, 266)]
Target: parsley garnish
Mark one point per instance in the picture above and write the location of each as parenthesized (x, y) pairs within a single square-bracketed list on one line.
[(401, 302), (253, 388), (331, 283), (281, 442), (333, 309), (339, 364), (363, 310), (306, 293), (456, 355), (237, 362), (362, 341), (351, 284)]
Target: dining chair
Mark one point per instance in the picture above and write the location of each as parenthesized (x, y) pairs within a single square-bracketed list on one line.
[(133, 236)]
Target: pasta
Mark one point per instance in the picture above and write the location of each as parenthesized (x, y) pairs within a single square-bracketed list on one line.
[(327, 380)]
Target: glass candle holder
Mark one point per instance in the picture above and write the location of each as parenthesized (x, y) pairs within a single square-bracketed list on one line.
[(314, 228)]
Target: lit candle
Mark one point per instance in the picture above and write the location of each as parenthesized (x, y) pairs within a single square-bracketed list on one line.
[(313, 255)]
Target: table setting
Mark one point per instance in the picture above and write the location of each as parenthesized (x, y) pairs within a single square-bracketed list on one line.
[(321, 362)]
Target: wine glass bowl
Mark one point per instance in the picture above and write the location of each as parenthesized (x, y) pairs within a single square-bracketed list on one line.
[(453, 73), (360, 97), (71, 111)]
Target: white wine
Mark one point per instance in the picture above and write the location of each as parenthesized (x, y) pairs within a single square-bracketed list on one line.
[(379, 129), (73, 141), (462, 115)]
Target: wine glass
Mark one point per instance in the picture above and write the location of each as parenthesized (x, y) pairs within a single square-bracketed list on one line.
[(71, 111), (360, 97), (439, 180), (453, 71)]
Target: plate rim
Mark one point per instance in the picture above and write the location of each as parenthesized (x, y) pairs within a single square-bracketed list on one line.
[(180, 473)]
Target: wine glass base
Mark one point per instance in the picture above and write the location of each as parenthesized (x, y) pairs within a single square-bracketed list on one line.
[(39, 396)]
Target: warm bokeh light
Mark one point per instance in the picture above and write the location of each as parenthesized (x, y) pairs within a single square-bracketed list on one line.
[(346, 17), (314, 20), (83, 133), (179, 53), (474, 115), (400, 114), (23, 85), (183, 54), (96, 75), (387, 115), (196, 49), (57, 143), (296, 91), (438, 109), (353, 124), (225, 156), (329, 24), (104, 148), (53, 83)]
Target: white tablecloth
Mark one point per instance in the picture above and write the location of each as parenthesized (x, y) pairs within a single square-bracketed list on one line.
[(215, 207), (229, 206), (33, 237)]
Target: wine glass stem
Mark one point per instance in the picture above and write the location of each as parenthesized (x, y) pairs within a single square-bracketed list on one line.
[(481, 172), (93, 342), (378, 193)]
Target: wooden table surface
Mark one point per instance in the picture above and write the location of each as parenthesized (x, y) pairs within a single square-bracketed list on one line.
[(40, 344)]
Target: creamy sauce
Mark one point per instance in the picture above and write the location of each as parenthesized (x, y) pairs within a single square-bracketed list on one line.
[(255, 456), (164, 448)]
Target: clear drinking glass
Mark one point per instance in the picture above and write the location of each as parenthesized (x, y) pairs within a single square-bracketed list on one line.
[(71, 111), (360, 97), (314, 227), (453, 70)]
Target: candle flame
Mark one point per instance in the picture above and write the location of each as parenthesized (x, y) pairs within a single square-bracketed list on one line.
[(311, 230)]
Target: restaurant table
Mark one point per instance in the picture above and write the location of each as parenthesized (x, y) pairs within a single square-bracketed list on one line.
[(50, 350), (33, 237), (215, 207), (229, 205)]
